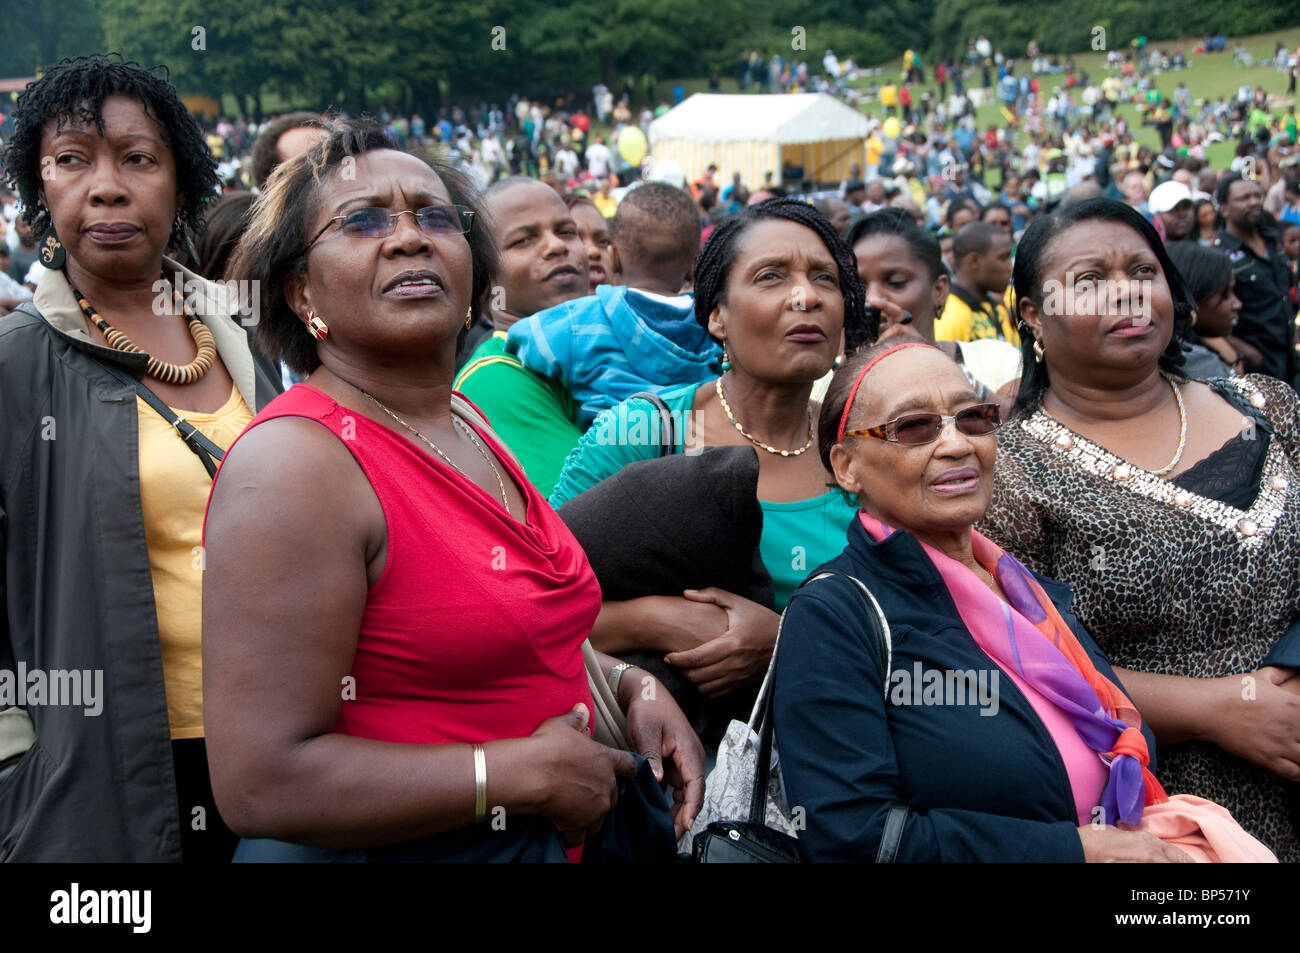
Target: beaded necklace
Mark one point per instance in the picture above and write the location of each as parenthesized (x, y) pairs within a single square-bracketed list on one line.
[(754, 440), (168, 373)]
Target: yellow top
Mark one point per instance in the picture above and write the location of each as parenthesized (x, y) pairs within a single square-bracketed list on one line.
[(607, 205), (174, 490), (960, 323), (875, 148)]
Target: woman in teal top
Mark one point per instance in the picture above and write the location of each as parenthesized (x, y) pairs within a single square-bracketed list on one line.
[(779, 290), (798, 535)]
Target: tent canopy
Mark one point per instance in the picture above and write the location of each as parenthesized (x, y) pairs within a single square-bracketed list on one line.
[(784, 119)]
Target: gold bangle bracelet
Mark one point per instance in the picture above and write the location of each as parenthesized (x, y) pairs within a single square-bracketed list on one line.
[(480, 784)]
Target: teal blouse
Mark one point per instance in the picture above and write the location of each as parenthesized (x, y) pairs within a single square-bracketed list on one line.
[(797, 537)]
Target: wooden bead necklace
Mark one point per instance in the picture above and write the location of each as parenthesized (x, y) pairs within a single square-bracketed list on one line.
[(168, 373)]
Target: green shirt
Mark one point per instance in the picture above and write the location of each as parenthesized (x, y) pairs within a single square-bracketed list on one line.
[(797, 537), (533, 415)]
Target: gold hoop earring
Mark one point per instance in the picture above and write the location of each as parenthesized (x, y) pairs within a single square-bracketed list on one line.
[(1192, 322), (1038, 349), (318, 328), (469, 317)]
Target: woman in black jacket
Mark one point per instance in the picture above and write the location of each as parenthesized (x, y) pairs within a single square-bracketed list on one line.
[(964, 749), (101, 500)]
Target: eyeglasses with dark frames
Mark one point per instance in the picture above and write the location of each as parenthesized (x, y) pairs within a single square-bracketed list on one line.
[(380, 223), (914, 430)]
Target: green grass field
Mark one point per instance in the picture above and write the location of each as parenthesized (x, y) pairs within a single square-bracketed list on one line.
[(1209, 77)]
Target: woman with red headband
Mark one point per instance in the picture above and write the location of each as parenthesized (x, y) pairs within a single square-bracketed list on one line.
[(991, 727)]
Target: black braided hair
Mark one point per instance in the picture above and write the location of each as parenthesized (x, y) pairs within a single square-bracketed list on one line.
[(1028, 278), (73, 91), (719, 253)]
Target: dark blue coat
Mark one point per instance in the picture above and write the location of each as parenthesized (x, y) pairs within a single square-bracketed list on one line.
[(979, 787)]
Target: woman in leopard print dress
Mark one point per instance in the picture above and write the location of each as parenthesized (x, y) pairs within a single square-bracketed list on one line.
[(1171, 506)]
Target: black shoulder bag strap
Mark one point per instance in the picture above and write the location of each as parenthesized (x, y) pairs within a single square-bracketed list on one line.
[(205, 449), (667, 426), (209, 453), (897, 816)]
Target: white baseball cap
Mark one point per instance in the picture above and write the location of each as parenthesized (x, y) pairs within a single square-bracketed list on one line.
[(1168, 194)]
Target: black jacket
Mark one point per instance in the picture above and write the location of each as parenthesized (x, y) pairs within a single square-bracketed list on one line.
[(1267, 317), (978, 787), (76, 589)]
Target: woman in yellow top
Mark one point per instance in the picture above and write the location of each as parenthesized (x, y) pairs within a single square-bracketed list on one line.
[(101, 500)]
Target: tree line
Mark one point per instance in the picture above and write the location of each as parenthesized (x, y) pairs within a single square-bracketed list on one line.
[(420, 54)]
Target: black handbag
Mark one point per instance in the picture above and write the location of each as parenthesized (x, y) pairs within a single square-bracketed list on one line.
[(752, 841)]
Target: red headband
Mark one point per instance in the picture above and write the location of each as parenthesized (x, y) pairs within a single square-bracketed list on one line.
[(848, 405)]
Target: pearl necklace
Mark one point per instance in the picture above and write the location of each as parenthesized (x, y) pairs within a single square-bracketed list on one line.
[(501, 484), (754, 440)]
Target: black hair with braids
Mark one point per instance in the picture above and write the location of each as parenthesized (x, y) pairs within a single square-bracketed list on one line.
[(1028, 277), (713, 265), (73, 91)]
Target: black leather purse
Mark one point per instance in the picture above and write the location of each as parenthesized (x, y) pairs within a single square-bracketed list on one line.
[(752, 841)]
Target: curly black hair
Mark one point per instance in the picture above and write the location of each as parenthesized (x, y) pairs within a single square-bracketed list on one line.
[(73, 91), (719, 254)]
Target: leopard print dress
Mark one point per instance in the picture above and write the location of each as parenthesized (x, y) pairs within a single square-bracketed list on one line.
[(1167, 580)]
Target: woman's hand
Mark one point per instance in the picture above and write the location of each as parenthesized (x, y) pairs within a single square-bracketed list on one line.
[(578, 777), (1248, 353), (663, 736), (894, 322), (656, 624), (685, 623), (1114, 845), (739, 655), (1261, 720)]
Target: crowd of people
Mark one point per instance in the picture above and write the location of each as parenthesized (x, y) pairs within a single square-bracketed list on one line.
[(472, 538)]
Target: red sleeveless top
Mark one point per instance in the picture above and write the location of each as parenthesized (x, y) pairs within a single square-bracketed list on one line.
[(474, 630)]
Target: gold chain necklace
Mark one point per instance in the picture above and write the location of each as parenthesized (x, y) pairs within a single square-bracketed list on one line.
[(754, 440), (165, 371), (501, 484), (1182, 429), (1182, 426)]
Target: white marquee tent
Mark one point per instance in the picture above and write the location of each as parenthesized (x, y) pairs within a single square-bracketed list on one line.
[(761, 133)]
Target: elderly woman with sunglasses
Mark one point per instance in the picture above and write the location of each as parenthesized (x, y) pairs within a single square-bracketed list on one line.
[(394, 616), (979, 740)]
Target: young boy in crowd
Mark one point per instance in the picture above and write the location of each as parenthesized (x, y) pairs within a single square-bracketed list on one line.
[(639, 336)]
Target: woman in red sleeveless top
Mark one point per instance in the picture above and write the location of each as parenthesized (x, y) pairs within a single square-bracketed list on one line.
[(394, 659)]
